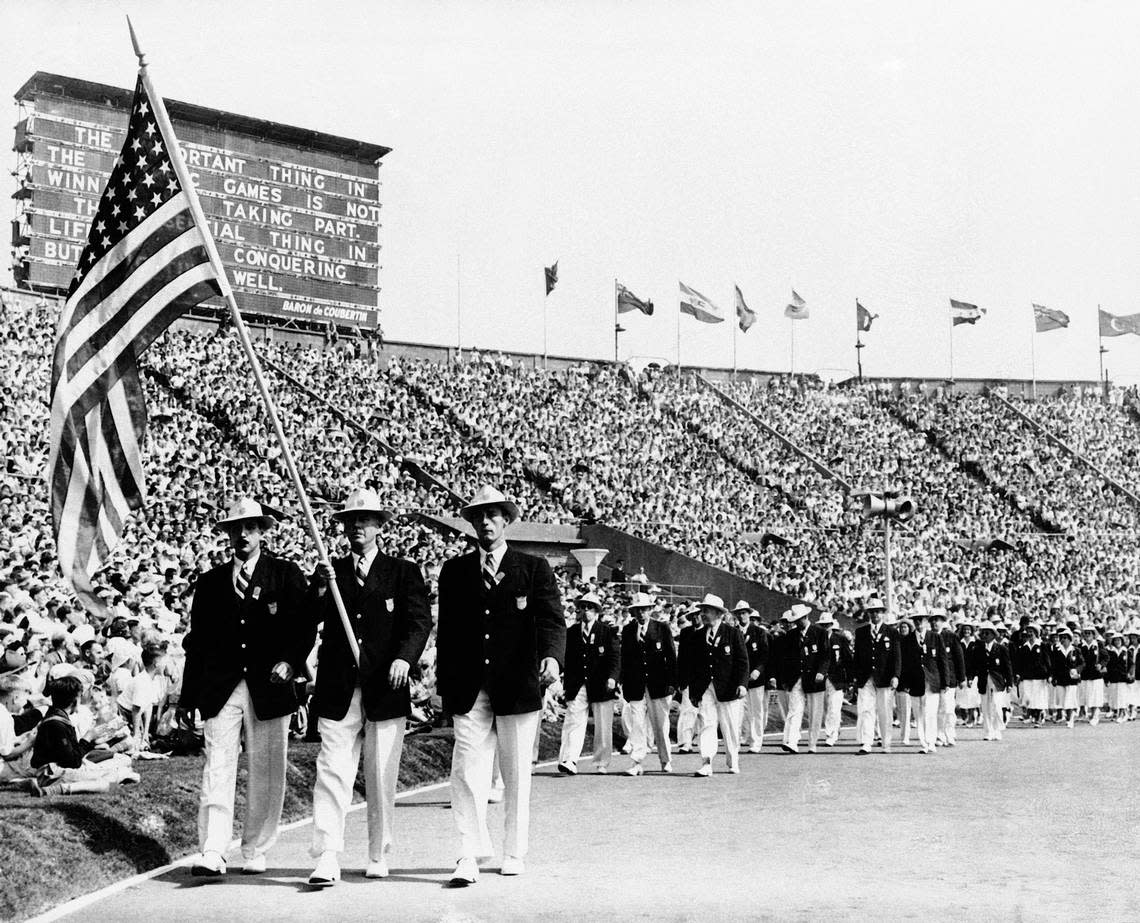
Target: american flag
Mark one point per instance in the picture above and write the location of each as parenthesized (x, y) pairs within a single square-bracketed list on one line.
[(797, 308), (145, 263)]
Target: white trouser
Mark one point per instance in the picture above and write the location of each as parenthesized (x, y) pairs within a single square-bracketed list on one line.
[(574, 730), (649, 716), (686, 721), (992, 719), (626, 726), (832, 712), (902, 710), (713, 712), (756, 715), (793, 723), (478, 735), (780, 699), (383, 742), (947, 719), (266, 744), (874, 704), (925, 709)]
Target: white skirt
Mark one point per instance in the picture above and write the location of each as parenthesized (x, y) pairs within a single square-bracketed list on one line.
[(1092, 693), (1067, 697), (1116, 695), (1035, 694)]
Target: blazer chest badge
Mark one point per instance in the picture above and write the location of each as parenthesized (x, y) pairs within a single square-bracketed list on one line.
[(390, 604), (520, 602), (255, 593), (272, 607)]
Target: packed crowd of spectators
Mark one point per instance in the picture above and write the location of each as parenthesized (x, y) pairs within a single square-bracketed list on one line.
[(1007, 524)]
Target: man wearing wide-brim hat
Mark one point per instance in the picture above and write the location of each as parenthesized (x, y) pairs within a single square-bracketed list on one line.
[(988, 661), (757, 643), (501, 635), (248, 639), (801, 673), (716, 674), (955, 678), (687, 640), (648, 675), (840, 675), (589, 684), (386, 600), (878, 665)]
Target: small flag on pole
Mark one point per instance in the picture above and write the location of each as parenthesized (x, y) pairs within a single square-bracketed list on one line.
[(144, 264), (551, 277), (863, 318), (962, 312), (745, 316), (1112, 325), (696, 304), (1049, 318), (627, 301), (797, 308)]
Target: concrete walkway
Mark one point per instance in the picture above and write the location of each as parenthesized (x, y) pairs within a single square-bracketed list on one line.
[(1043, 824)]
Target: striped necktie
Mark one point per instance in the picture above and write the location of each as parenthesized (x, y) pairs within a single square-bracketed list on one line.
[(241, 582), (488, 573), (361, 571)]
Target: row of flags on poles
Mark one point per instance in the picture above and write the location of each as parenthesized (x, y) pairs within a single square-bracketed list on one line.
[(702, 308)]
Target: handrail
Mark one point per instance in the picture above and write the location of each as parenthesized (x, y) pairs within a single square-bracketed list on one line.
[(1057, 440), (772, 431)]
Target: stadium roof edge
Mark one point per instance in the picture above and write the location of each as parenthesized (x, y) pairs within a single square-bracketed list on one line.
[(44, 83)]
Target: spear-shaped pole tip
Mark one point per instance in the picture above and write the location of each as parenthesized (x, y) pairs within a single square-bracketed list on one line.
[(135, 41)]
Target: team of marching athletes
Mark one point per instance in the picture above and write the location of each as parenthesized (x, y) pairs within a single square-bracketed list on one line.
[(503, 647)]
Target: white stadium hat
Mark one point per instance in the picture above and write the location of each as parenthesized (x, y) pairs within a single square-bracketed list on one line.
[(797, 612), (641, 601), (363, 500), (248, 508), (712, 601), (489, 496)]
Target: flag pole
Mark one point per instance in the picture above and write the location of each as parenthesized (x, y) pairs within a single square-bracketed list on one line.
[(951, 349), (617, 324), (243, 333), (1033, 357), (792, 328), (858, 343), (678, 342), (1100, 349), (458, 312), (735, 324), (545, 299)]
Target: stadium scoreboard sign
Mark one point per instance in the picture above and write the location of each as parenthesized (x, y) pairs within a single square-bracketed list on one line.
[(295, 213)]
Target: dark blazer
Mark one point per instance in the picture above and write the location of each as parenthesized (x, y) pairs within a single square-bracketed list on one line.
[(233, 639), (879, 661), (687, 648), (592, 662), (802, 656), (1095, 661), (994, 663), (1031, 661), (1064, 664), (758, 643), (391, 620), (650, 665), (934, 662), (497, 640), (955, 657), (911, 679), (724, 663), (1119, 661), (841, 660), (56, 742)]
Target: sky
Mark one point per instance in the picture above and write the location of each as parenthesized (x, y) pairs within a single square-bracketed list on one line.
[(899, 153)]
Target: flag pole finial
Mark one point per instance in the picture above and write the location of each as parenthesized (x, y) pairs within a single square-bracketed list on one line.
[(139, 53)]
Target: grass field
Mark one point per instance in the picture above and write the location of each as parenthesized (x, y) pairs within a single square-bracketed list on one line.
[(54, 849)]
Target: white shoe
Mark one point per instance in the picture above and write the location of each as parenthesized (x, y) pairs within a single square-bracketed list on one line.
[(327, 871), (254, 866), (706, 769), (512, 865), (754, 748), (466, 872), (568, 769), (635, 770), (601, 770), (209, 865), (377, 868), (734, 769), (668, 767), (496, 795)]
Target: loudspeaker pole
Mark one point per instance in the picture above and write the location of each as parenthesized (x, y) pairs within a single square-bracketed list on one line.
[(887, 582)]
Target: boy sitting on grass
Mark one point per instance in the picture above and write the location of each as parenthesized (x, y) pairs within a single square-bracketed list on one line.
[(17, 731), (65, 765)]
